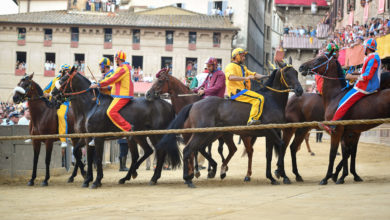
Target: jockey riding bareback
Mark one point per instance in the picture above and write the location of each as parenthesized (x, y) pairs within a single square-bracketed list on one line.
[(367, 82)]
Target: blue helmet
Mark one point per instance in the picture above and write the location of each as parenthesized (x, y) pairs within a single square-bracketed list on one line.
[(370, 43)]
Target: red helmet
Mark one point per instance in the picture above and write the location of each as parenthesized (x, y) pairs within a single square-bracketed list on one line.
[(212, 61)]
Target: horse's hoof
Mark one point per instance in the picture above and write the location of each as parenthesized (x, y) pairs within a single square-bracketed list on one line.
[(85, 185), (357, 179), (191, 185), (247, 179), (152, 183), (30, 183), (334, 177), (286, 180), (134, 175), (274, 182), (226, 169), (70, 180), (223, 175), (211, 175), (340, 181), (324, 182), (122, 181), (96, 185), (197, 174), (299, 179), (277, 174), (44, 183)]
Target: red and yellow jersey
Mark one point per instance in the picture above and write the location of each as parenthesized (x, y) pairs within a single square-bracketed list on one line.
[(233, 69), (122, 86)]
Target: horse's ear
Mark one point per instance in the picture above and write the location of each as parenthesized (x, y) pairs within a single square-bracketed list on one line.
[(73, 69), (281, 64), (330, 53), (31, 76), (290, 60)]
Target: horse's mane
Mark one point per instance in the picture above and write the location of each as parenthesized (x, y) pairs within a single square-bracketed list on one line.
[(340, 74), (269, 82), (179, 83), (48, 103)]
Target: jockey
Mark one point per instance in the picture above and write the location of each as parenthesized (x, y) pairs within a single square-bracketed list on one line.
[(366, 83), (122, 90), (319, 80), (105, 68), (214, 84), (62, 112), (238, 84)]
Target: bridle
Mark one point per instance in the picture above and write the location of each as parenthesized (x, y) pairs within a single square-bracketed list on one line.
[(69, 81), (27, 91), (283, 81), (328, 59)]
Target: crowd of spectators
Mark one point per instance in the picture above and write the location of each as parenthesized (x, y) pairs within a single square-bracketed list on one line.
[(102, 5), (301, 31), (80, 64), (227, 12), (11, 114), (50, 65), (20, 65)]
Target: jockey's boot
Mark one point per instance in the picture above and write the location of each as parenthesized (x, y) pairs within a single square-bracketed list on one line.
[(327, 128), (254, 122), (122, 164), (64, 144)]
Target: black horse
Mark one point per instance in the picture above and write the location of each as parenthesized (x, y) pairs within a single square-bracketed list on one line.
[(217, 112), (142, 114)]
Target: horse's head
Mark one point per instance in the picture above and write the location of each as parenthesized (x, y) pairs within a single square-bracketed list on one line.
[(160, 86), (289, 77), (24, 89), (64, 84), (319, 65)]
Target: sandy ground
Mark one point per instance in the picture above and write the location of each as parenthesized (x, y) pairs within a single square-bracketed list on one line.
[(230, 198)]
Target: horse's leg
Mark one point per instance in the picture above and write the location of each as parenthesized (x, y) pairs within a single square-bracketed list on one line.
[(340, 165), (132, 145), (269, 147), (99, 146), (228, 138), (186, 170), (275, 136), (300, 135), (90, 158), (78, 144), (345, 152), (211, 161), (220, 148), (37, 149), (249, 152), (334, 144), (353, 151), (209, 152), (197, 173), (49, 149)]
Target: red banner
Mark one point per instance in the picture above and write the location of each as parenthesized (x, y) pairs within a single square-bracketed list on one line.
[(381, 6), (354, 56), (341, 58)]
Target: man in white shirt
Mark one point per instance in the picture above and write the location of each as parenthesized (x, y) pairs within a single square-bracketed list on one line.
[(25, 120)]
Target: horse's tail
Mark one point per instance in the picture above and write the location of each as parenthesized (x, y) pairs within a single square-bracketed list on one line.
[(169, 141)]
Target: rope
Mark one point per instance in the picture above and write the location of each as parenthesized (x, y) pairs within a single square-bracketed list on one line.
[(198, 130)]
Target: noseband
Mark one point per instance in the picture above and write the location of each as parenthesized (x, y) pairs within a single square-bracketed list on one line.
[(326, 70), (283, 81)]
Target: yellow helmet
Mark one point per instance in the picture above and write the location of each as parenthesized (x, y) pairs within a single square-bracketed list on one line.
[(104, 62), (238, 51)]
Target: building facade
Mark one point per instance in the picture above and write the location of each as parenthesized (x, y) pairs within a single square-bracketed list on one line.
[(151, 39)]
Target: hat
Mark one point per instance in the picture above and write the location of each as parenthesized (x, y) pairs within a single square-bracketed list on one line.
[(13, 114)]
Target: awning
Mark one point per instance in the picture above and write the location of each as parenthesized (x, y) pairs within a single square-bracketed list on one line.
[(300, 2)]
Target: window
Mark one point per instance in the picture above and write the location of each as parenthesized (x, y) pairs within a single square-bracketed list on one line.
[(137, 72), (179, 5), (107, 35), (166, 62), (191, 66), (219, 61), (21, 33), (137, 61), (50, 61), (110, 57), (218, 5), (216, 39), (192, 38), (20, 67), (351, 5), (268, 32), (136, 36), (79, 62), (75, 34), (48, 34), (169, 37)]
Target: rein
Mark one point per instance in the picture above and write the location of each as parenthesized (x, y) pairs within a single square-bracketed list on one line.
[(283, 81), (327, 66), (69, 81)]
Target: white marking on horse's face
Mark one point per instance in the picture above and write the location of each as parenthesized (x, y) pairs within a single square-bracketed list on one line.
[(19, 90), (58, 85)]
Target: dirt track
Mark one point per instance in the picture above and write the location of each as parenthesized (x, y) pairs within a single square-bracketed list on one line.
[(227, 199)]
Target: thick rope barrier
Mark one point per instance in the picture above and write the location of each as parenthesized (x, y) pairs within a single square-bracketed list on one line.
[(198, 130)]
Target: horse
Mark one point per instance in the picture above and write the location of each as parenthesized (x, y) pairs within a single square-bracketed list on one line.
[(310, 107), (373, 106), (143, 115), (217, 112), (44, 121), (167, 83)]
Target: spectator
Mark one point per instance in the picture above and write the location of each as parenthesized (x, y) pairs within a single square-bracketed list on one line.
[(92, 3), (140, 74), (286, 30), (104, 5), (97, 5), (13, 118), (231, 12), (25, 120)]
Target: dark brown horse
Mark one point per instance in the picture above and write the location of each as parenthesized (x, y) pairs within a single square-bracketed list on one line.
[(44, 120), (217, 112), (373, 106), (177, 91)]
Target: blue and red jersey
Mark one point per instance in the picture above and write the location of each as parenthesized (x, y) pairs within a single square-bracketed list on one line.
[(369, 80)]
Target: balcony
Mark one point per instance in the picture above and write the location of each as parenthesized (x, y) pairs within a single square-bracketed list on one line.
[(191, 46), (20, 72), (47, 43), (217, 45), (169, 47), (107, 45), (293, 42), (21, 42), (322, 30), (136, 46), (49, 73), (74, 44)]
